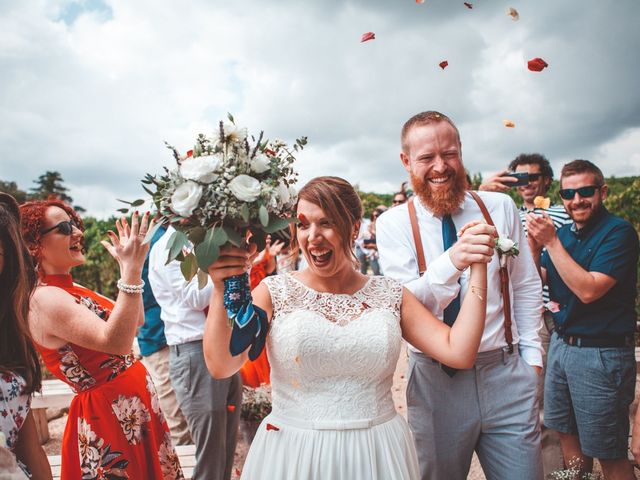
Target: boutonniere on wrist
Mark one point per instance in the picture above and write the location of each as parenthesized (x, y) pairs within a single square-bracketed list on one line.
[(506, 248)]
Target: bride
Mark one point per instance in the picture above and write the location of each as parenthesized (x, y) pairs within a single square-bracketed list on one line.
[(333, 345)]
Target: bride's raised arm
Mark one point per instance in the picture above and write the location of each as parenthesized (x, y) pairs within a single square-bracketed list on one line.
[(217, 332), (455, 346)]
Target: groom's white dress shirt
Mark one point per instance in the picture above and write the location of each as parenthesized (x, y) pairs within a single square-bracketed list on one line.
[(439, 285)]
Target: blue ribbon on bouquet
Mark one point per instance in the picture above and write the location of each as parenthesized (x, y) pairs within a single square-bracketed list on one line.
[(249, 322)]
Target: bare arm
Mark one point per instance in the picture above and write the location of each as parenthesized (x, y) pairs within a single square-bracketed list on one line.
[(499, 182), (217, 333), (455, 346), (587, 286), (55, 318), (29, 451)]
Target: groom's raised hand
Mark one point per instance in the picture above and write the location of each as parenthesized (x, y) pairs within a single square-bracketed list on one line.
[(476, 242)]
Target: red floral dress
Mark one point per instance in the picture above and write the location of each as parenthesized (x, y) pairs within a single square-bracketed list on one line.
[(115, 429)]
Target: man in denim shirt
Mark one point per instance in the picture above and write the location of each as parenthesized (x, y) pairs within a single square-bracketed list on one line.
[(590, 267)]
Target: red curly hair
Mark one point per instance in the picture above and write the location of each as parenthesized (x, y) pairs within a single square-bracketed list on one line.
[(32, 214)]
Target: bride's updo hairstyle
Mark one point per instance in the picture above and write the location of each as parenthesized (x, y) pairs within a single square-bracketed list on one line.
[(340, 202)]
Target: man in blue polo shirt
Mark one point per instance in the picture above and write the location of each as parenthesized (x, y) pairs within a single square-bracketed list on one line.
[(590, 268)]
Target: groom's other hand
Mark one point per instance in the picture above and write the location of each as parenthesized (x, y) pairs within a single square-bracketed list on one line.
[(475, 245)]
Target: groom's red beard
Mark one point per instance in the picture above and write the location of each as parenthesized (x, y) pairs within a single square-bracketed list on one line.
[(443, 201)]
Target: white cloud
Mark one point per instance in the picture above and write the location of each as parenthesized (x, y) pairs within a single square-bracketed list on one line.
[(92, 88)]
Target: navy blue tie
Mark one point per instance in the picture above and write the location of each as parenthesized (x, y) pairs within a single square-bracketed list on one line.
[(449, 237)]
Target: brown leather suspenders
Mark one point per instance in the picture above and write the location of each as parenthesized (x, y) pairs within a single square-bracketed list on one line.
[(504, 273)]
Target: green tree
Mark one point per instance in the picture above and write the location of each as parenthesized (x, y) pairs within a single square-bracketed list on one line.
[(371, 200), (12, 189), (50, 184), (100, 271)]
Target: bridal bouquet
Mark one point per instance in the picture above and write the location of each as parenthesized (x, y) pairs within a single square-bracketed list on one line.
[(227, 185)]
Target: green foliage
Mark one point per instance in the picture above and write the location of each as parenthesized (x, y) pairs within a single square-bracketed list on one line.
[(371, 200), (100, 272), (12, 189), (50, 184)]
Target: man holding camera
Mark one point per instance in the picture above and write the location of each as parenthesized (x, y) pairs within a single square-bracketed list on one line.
[(531, 175)]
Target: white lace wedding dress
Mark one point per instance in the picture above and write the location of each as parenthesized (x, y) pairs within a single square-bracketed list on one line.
[(332, 361)]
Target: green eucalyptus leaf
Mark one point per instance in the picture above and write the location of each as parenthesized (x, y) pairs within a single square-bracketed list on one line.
[(123, 201), (207, 252), (220, 236), (233, 236), (189, 267), (137, 203), (196, 235), (276, 224), (123, 210), (264, 216), (244, 211), (203, 278), (177, 241), (151, 232)]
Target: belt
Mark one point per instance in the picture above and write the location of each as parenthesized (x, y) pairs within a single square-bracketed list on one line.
[(605, 342), (332, 424)]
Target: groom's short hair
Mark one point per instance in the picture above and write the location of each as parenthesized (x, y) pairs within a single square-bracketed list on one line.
[(424, 118)]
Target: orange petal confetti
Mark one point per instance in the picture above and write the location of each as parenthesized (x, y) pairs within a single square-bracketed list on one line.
[(509, 124), (238, 472), (367, 36), (272, 427), (542, 202), (513, 13), (419, 1), (537, 65), (468, 5), (231, 408), (297, 359), (295, 383), (443, 64)]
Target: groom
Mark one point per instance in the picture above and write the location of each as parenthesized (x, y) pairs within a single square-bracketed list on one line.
[(491, 408)]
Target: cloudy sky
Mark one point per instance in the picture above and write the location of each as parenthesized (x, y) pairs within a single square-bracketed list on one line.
[(92, 88)]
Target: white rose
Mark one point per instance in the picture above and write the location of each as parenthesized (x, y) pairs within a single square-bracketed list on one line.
[(504, 244), (200, 169), (260, 163), (283, 192), (233, 133), (245, 188), (185, 199)]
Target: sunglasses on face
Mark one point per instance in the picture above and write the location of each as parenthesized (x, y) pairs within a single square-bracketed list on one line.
[(584, 192), (65, 228)]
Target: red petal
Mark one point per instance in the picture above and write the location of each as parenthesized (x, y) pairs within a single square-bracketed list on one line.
[(231, 408), (190, 153), (367, 36), (443, 64), (238, 472), (537, 64), (468, 5), (419, 1), (272, 427)]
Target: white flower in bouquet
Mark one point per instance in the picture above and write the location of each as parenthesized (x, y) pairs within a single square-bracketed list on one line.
[(185, 198), (245, 188), (201, 169), (284, 195), (260, 163), (233, 133)]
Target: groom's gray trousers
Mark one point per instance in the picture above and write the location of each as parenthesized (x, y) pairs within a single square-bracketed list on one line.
[(491, 408)]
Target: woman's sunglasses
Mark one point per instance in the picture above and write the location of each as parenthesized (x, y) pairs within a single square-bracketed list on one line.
[(585, 192), (65, 228)]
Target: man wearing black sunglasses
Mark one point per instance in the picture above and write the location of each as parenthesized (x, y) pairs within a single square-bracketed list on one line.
[(590, 267)]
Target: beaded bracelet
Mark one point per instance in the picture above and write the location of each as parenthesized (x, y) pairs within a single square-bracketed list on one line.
[(126, 288)]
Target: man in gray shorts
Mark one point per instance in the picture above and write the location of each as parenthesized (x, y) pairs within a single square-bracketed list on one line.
[(590, 268)]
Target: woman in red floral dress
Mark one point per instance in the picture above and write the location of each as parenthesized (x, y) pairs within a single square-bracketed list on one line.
[(115, 428)]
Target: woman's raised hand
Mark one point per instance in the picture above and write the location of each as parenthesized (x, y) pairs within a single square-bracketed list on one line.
[(232, 261), (127, 246)]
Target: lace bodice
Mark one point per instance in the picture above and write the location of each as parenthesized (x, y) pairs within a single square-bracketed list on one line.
[(333, 355)]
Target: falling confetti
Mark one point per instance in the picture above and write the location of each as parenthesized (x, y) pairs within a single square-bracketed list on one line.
[(238, 472), (297, 359), (443, 64), (367, 36), (509, 124), (272, 427), (541, 202), (537, 65), (231, 408), (513, 13), (468, 5), (419, 1)]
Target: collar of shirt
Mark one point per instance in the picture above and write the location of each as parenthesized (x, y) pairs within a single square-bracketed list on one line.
[(597, 218)]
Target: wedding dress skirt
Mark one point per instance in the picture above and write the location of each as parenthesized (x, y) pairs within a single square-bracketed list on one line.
[(332, 362)]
